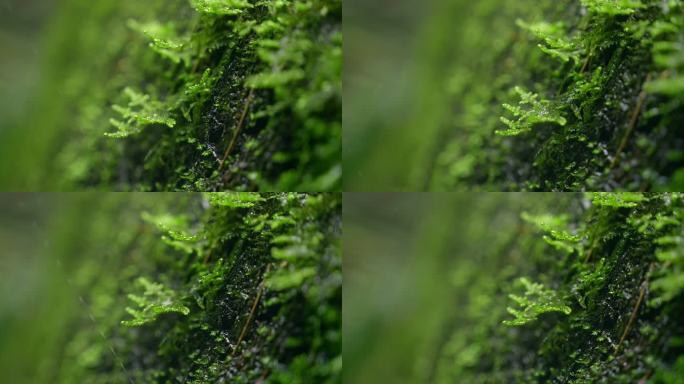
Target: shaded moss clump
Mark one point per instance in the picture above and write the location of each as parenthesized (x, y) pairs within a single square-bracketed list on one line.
[(580, 95), (226, 287), (595, 294), (185, 95)]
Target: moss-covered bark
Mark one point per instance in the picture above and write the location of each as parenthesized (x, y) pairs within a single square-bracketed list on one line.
[(527, 95), (591, 93), (514, 288), (191, 288), (595, 296), (185, 95)]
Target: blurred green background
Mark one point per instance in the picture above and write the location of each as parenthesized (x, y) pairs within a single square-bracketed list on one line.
[(46, 43), (385, 76), (58, 251), (420, 270), (66, 63), (24, 39), (22, 27), (420, 80)]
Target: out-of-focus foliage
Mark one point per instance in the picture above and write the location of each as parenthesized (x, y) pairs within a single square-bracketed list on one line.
[(183, 95), (482, 296), (525, 95), (22, 23), (189, 288)]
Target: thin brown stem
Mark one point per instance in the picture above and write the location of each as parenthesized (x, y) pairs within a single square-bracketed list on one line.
[(633, 316), (260, 292), (642, 293), (229, 149), (632, 124), (647, 376)]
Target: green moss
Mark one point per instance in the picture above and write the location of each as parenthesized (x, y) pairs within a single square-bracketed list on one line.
[(599, 84), (198, 95), (191, 288), (537, 300), (606, 311)]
